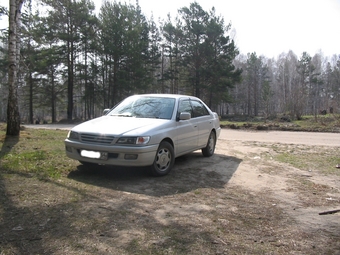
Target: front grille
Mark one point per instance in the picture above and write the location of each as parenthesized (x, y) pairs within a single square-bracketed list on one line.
[(97, 138)]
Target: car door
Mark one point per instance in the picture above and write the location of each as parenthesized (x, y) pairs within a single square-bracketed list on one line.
[(203, 122), (187, 130)]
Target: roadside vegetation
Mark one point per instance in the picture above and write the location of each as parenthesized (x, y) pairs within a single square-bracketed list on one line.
[(310, 123)]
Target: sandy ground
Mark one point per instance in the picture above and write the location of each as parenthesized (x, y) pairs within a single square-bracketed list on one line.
[(251, 173)]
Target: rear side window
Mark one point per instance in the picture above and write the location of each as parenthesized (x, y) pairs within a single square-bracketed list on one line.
[(198, 109), (195, 108)]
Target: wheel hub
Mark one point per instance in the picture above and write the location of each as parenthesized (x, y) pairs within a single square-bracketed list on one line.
[(163, 159)]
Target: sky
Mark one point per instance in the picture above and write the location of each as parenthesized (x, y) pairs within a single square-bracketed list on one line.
[(267, 27)]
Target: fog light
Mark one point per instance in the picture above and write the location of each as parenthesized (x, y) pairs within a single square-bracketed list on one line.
[(68, 148), (103, 155), (130, 156)]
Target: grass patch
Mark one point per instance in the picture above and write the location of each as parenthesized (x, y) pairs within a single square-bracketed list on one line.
[(321, 159), (36, 152)]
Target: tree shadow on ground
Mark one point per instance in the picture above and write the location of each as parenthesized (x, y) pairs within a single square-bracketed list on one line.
[(7, 144), (190, 172), (8, 210)]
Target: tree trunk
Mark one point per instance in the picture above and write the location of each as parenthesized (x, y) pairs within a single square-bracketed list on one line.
[(70, 82), (13, 116), (30, 82), (53, 97)]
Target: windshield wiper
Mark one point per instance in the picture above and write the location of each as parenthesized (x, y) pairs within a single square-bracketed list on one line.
[(122, 115)]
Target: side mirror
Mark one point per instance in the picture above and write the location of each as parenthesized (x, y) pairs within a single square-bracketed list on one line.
[(106, 111), (184, 116)]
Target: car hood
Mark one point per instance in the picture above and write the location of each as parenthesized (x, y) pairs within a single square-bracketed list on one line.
[(118, 125)]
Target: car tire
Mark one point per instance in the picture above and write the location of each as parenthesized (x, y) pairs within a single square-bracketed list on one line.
[(209, 150), (164, 159)]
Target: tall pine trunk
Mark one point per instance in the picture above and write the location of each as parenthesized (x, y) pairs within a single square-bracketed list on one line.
[(70, 81)]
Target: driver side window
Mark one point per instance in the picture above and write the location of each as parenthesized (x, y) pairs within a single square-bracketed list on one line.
[(185, 106)]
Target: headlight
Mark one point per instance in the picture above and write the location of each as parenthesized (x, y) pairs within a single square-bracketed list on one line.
[(73, 135), (134, 140)]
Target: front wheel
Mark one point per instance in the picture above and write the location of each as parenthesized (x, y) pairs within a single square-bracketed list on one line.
[(164, 159), (209, 150)]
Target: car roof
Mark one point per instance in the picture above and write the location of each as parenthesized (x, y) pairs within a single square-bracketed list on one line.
[(177, 96)]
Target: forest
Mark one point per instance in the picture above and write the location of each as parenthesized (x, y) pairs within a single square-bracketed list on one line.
[(75, 62)]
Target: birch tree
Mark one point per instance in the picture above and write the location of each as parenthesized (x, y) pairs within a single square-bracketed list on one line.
[(13, 116)]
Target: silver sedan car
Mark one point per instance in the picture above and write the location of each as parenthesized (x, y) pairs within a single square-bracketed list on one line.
[(146, 130)]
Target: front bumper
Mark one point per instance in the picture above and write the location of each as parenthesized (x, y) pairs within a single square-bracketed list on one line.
[(116, 155)]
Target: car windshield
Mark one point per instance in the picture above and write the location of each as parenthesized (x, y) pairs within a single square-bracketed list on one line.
[(145, 107)]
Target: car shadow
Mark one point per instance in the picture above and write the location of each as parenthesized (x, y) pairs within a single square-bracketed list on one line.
[(190, 172)]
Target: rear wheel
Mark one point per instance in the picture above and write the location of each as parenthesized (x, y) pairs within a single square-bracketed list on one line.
[(209, 150), (164, 159)]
